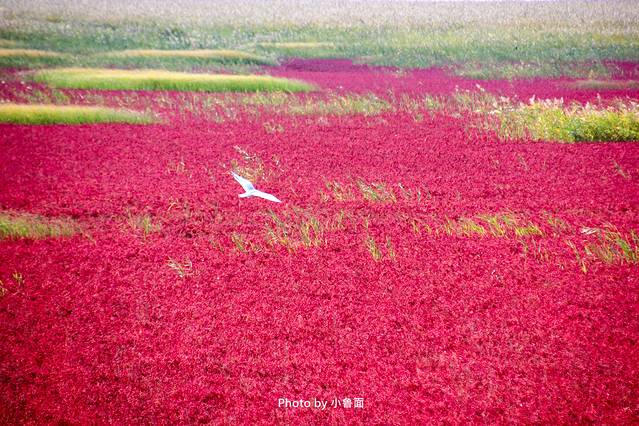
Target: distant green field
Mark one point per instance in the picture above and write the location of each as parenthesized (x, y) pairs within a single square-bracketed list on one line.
[(518, 38), (111, 79)]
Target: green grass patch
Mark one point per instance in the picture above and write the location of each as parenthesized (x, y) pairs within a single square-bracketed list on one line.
[(376, 192), (610, 247), (493, 225), (301, 49), (181, 59), (333, 104), (26, 58), (373, 248), (142, 224), (594, 84), (110, 79), (67, 114), (28, 226), (552, 120), (368, 104), (294, 230), (512, 70)]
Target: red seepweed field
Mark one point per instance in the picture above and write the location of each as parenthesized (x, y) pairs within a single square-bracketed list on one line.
[(419, 265)]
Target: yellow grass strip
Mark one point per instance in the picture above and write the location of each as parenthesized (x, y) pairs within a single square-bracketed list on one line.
[(29, 53), (220, 54), (149, 79), (67, 114)]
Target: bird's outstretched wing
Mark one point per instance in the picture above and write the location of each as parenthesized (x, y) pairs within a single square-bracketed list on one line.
[(246, 184), (266, 196)]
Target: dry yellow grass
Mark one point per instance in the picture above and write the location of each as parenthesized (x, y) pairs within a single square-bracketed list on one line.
[(30, 53), (67, 114), (7, 43), (153, 79)]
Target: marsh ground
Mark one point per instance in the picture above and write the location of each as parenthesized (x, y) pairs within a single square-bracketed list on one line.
[(447, 249)]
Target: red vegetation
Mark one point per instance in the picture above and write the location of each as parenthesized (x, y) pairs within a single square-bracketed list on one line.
[(100, 329)]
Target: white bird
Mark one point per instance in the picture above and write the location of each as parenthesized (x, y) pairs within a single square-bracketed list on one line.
[(251, 191), (589, 231)]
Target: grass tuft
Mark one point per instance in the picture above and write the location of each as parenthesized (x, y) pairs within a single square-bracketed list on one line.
[(296, 230), (469, 227), (376, 192), (551, 120), (142, 224), (373, 249), (112, 79), (620, 171), (339, 191), (57, 114), (527, 230), (251, 166), (368, 104), (242, 245), (614, 247), (334, 104), (33, 227), (183, 269)]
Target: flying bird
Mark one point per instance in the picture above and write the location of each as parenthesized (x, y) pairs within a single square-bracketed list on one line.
[(251, 191)]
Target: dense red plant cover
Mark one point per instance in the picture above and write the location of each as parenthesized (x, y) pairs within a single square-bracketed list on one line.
[(344, 75), (100, 329)]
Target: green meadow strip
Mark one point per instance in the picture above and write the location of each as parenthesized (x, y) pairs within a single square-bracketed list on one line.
[(110, 79), (301, 49), (195, 56), (532, 69), (21, 58), (592, 84), (56, 114), (28, 226), (29, 53)]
